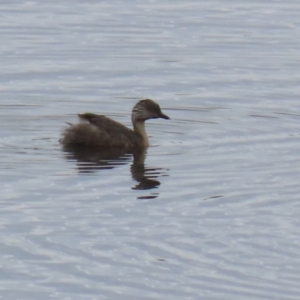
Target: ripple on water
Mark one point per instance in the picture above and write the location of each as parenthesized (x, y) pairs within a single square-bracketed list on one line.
[(210, 211)]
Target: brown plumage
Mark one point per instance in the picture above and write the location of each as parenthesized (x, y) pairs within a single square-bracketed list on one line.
[(98, 130)]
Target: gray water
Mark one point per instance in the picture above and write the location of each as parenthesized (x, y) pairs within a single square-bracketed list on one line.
[(213, 210)]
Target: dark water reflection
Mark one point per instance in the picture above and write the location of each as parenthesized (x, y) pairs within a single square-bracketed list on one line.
[(92, 159)]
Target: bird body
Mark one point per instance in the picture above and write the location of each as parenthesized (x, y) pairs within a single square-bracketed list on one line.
[(99, 130)]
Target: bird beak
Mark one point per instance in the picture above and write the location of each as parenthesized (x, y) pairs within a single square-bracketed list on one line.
[(163, 116)]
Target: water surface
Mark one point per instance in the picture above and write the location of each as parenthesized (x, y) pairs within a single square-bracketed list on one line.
[(211, 210)]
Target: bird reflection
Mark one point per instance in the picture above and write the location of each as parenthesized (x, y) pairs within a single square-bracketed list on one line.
[(144, 175), (92, 159)]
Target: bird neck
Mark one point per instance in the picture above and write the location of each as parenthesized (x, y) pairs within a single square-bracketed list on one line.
[(139, 128)]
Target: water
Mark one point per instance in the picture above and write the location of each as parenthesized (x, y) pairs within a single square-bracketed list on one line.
[(212, 209)]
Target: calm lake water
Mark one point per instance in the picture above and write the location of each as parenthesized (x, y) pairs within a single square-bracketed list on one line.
[(211, 211)]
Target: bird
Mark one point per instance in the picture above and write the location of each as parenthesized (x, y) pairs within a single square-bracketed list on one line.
[(101, 131)]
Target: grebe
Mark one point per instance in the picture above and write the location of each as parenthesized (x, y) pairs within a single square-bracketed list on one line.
[(98, 130)]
